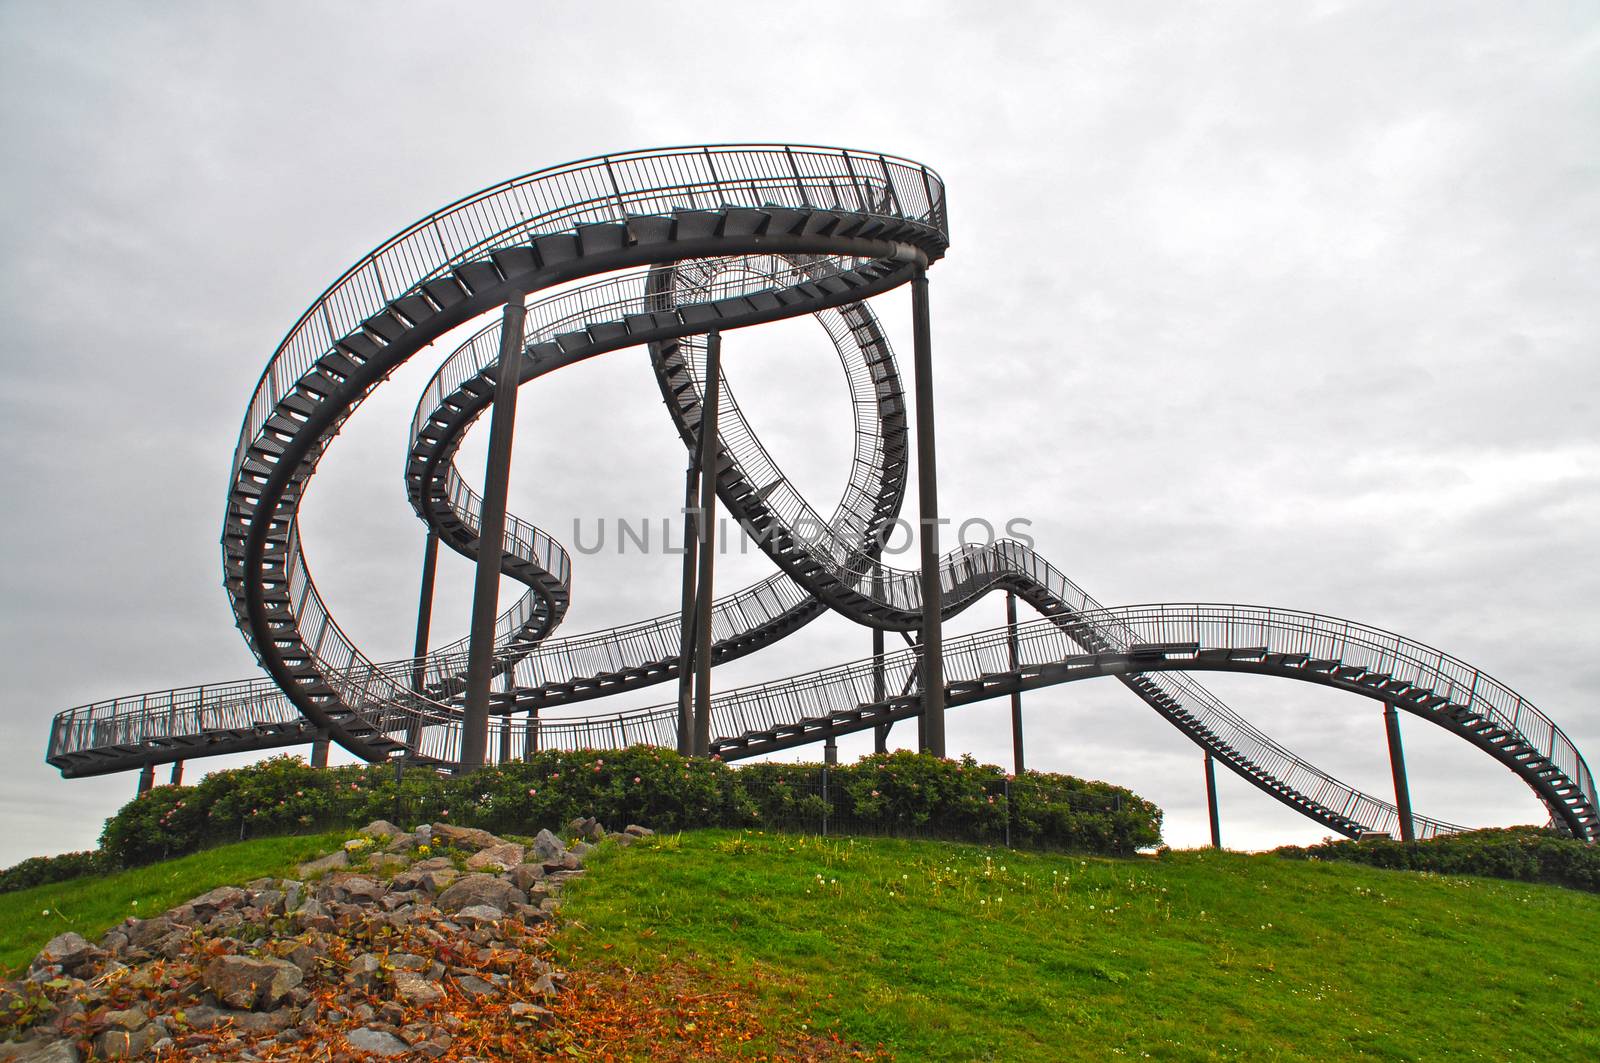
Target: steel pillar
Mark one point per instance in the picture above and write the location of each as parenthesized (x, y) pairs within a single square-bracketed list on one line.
[(707, 545), (430, 564), (928, 511), (880, 692), (491, 537), (319, 750), (1015, 651), (1397, 766), (691, 539), (147, 778), (830, 750), (176, 778), (505, 740), (1211, 802)]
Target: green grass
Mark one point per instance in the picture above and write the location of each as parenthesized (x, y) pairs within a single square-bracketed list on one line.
[(951, 952), (91, 906)]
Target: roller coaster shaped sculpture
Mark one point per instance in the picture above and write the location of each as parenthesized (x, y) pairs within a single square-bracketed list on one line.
[(687, 243)]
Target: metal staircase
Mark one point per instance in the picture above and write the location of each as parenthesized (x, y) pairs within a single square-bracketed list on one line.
[(686, 240)]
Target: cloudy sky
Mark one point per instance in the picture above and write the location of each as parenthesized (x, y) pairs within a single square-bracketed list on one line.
[(1262, 303)]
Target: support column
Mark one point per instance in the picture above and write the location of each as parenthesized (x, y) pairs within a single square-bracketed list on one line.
[(491, 537), (830, 750), (147, 778), (176, 778), (691, 539), (708, 544), (928, 510), (1397, 766), (880, 692), (430, 563), (1015, 649), (505, 739), (319, 750), (1211, 802)]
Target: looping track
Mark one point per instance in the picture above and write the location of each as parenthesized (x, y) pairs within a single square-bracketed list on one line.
[(686, 240)]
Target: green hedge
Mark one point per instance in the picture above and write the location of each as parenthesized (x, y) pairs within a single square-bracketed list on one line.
[(42, 870), (1526, 854), (887, 793)]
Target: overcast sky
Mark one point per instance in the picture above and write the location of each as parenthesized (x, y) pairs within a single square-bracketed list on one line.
[(1288, 304)]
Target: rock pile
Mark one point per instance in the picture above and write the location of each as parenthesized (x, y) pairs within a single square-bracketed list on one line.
[(369, 952)]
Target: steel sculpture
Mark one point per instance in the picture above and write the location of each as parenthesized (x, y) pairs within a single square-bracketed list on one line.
[(691, 245)]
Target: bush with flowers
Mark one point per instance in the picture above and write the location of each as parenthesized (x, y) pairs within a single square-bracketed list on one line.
[(889, 793)]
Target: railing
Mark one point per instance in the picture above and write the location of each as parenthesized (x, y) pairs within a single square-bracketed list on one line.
[(603, 189)]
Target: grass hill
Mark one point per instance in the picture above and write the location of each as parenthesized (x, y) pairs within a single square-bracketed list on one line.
[(951, 952), (927, 950)]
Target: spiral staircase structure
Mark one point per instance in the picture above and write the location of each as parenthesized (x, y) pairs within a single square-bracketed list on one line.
[(658, 249)]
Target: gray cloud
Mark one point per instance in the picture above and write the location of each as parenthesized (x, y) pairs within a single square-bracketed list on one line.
[(1260, 303)]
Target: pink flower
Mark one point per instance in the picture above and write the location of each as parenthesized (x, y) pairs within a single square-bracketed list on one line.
[(874, 793), (636, 779), (532, 792), (446, 812)]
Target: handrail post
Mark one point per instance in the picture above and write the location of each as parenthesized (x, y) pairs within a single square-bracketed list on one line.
[(928, 511), (708, 543), (1211, 802), (491, 536), (1397, 766)]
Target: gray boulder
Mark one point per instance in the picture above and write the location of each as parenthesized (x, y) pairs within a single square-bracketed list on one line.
[(478, 889), (378, 1042), (249, 983)]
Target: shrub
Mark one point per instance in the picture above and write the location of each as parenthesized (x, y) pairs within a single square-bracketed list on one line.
[(895, 793), (1525, 854), (42, 870)]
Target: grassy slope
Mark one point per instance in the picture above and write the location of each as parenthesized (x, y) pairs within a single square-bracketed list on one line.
[(939, 952), (91, 906)]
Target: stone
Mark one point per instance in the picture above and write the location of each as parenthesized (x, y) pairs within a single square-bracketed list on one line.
[(408, 961), (547, 847), (424, 834), (248, 983), (127, 1019), (624, 840), (381, 828), (365, 970), (38, 1052), (142, 933), (126, 1044), (332, 862), (66, 950), (473, 986), (428, 880), (268, 902), (531, 1013), (523, 876), (402, 843), (387, 863), (496, 858), (378, 1042), (480, 889), (479, 913), (638, 831), (416, 990), (469, 839), (350, 888), (221, 899)]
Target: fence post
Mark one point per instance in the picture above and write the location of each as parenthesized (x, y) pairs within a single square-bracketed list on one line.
[(826, 800), (1008, 813)]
